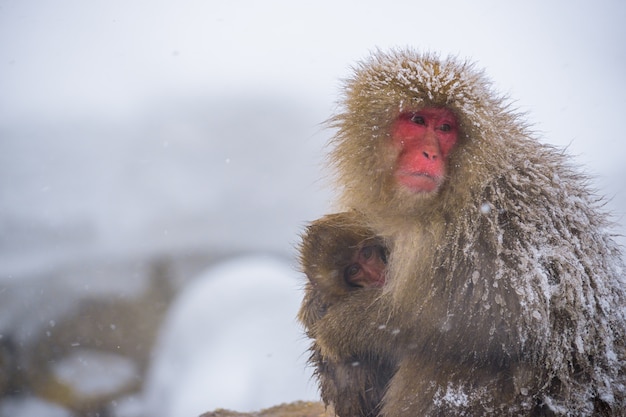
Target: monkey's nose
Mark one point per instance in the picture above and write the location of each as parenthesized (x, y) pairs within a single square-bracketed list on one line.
[(430, 155)]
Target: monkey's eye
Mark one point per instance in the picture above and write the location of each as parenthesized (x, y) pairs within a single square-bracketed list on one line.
[(446, 127), (418, 120), (367, 252), (383, 255), (352, 270)]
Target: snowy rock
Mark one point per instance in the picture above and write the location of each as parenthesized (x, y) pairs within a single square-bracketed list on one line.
[(91, 374), (31, 407)]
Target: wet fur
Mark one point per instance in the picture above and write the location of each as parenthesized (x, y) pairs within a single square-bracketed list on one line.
[(505, 291)]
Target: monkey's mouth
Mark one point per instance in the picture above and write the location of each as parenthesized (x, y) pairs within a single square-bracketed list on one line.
[(420, 182)]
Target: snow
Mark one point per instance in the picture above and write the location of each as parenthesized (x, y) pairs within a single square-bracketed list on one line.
[(457, 398), (196, 126), (93, 374), (231, 341)]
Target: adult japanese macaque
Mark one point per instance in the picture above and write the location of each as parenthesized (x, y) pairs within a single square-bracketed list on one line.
[(340, 256), (504, 290)]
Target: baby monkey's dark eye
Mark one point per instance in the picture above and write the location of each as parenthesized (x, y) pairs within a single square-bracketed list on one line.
[(352, 270), (367, 252)]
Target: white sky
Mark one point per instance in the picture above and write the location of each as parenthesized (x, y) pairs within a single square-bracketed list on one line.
[(62, 57), (563, 61)]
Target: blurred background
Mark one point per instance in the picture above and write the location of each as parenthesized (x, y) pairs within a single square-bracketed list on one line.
[(158, 160)]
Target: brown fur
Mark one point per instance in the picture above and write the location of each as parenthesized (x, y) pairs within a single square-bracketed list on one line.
[(505, 291)]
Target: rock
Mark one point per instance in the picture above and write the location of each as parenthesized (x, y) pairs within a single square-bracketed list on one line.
[(295, 409)]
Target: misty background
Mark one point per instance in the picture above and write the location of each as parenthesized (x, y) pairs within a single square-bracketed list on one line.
[(144, 143)]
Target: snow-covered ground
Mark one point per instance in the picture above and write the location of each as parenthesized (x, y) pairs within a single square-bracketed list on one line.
[(142, 129)]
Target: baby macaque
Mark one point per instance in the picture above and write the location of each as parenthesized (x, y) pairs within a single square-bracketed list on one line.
[(339, 256)]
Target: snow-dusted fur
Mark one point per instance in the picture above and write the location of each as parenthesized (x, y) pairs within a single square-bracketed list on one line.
[(509, 279)]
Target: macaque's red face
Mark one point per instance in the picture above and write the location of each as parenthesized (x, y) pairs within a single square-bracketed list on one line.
[(424, 140), (367, 267)]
